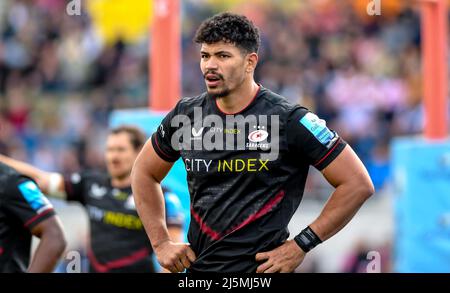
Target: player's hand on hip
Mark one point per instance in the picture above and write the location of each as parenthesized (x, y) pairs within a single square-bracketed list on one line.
[(283, 259), (175, 257)]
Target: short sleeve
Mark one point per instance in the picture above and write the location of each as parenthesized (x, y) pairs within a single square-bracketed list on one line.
[(74, 187), (309, 137), (174, 210), (26, 201), (162, 138)]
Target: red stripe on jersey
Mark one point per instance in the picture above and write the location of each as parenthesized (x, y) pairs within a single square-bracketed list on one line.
[(160, 149), (204, 227), (329, 152), (118, 263), (264, 210), (33, 219), (253, 217)]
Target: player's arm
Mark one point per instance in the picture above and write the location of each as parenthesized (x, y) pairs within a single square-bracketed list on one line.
[(353, 187), (148, 172), (326, 151), (174, 218), (51, 245), (25, 201), (329, 153), (176, 235), (51, 184)]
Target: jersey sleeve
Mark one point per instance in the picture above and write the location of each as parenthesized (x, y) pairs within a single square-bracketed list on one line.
[(309, 137), (161, 139), (174, 210), (26, 201), (74, 186)]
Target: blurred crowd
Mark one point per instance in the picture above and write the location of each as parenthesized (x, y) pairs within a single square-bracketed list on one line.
[(59, 81)]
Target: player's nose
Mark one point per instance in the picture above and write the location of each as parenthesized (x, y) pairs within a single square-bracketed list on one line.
[(211, 64)]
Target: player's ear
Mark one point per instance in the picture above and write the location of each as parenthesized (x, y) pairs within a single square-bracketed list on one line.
[(252, 60)]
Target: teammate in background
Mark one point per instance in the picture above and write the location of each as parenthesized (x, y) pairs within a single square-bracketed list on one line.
[(118, 242), (244, 193), (24, 211)]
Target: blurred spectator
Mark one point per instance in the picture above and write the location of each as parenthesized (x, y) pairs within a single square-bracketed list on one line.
[(59, 81)]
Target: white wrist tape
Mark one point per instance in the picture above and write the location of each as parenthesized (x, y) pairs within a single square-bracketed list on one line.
[(53, 185)]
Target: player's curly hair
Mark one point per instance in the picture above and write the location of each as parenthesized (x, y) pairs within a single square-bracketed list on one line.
[(229, 27)]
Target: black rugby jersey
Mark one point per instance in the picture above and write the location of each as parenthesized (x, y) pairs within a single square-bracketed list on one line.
[(245, 177), (22, 207), (118, 241)]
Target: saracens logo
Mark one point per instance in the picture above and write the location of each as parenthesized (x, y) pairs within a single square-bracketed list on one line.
[(257, 136)]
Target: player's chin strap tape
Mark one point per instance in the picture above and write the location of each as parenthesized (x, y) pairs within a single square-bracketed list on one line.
[(307, 239)]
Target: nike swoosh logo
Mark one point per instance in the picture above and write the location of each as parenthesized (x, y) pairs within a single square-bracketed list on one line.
[(197, 133)]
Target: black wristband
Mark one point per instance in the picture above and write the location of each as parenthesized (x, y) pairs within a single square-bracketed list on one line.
[(307, 239)]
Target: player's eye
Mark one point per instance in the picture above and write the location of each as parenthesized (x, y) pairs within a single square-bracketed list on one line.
[(224, 56), (204, 56)]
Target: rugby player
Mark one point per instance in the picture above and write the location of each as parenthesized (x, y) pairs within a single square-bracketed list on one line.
[(247, 152), (24, 211), (118, 242)]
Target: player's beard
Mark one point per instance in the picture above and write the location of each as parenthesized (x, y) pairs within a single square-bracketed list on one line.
[(226, 90), (212, 93), (223, 93), (119, 175)]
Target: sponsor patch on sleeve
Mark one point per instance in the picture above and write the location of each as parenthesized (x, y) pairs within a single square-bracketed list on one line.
[(318, 128), (33, 195)]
